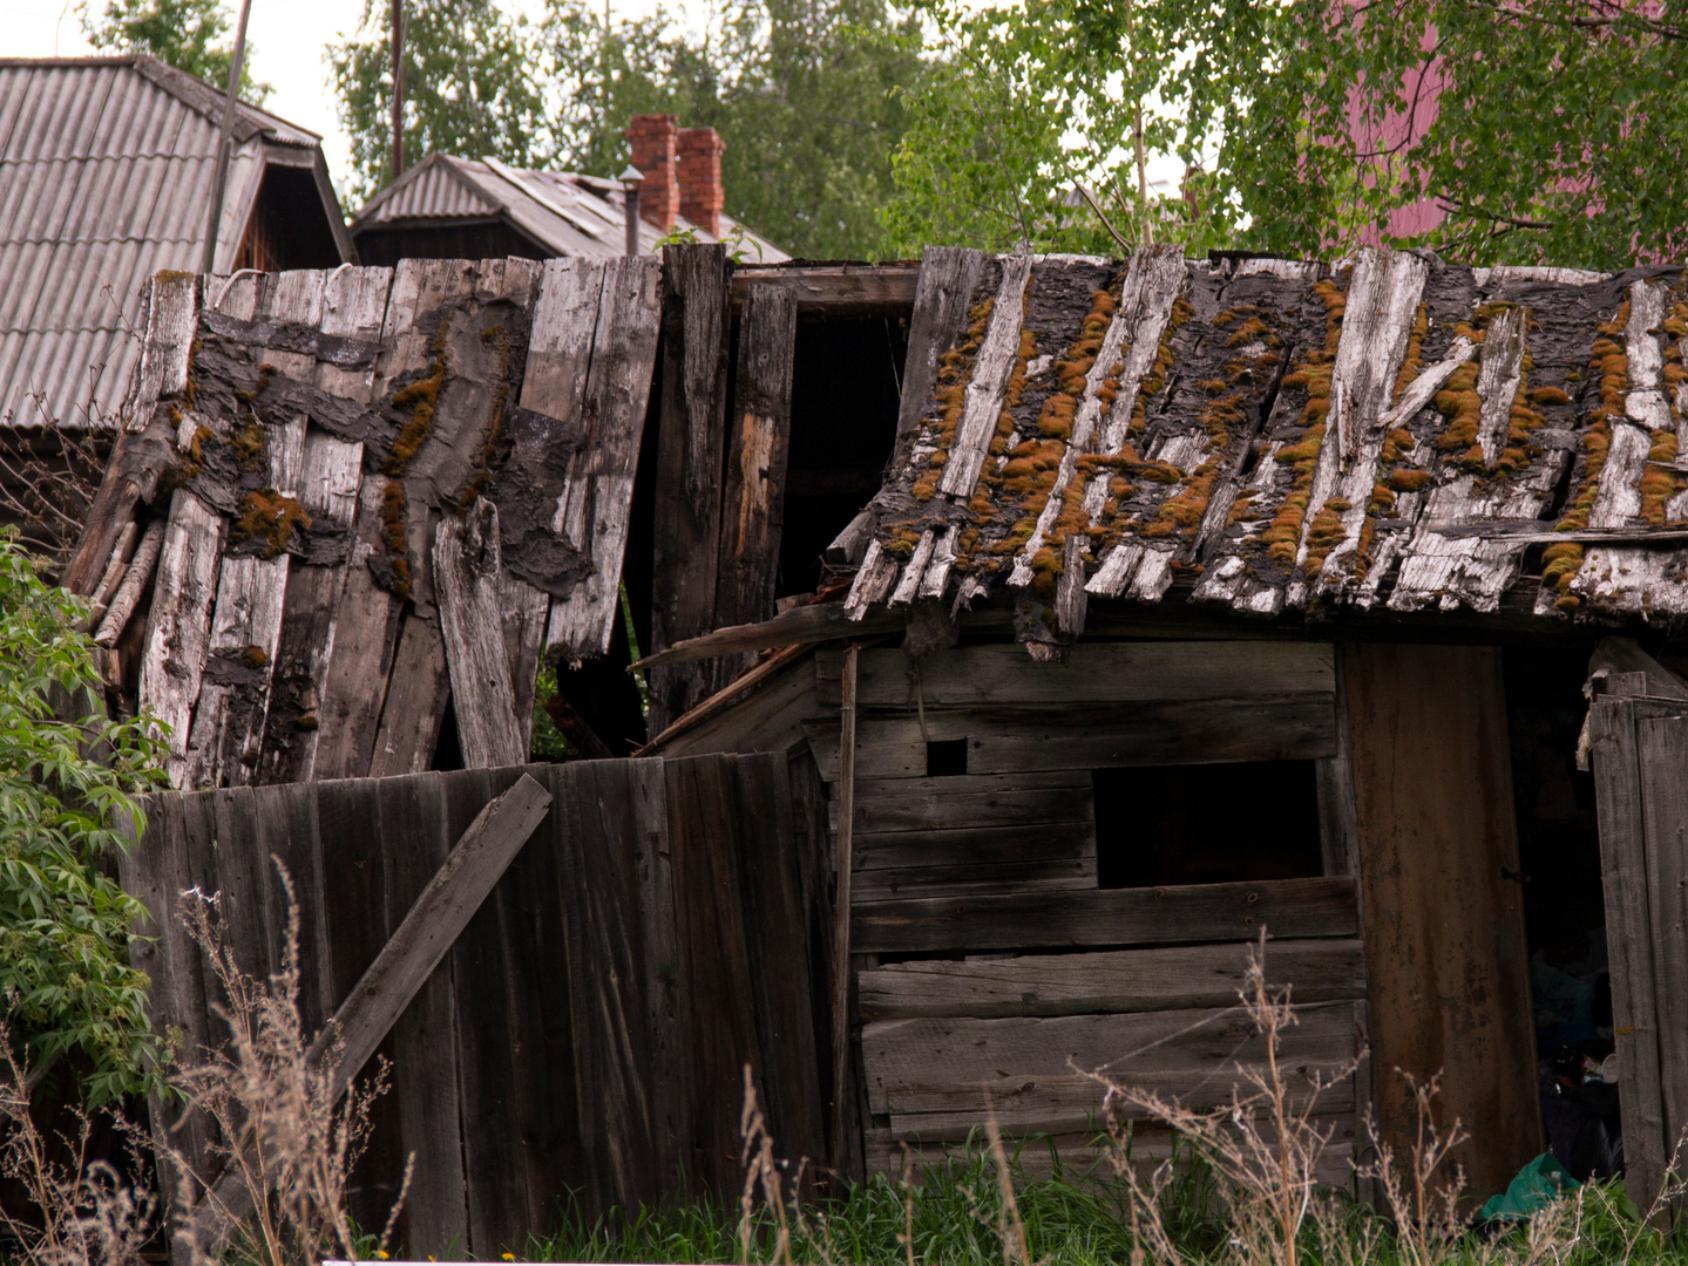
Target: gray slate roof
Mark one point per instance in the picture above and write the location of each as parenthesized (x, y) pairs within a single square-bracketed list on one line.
[(566, 213), (105, 174)]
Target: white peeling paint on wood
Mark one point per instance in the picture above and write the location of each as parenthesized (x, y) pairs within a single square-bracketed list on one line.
[(172, 317), (992, 368)]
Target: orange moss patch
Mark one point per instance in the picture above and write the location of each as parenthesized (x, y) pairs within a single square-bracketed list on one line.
[(272, 518)]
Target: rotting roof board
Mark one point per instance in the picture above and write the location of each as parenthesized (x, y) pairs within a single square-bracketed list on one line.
[(105, 175), (1392, 433)]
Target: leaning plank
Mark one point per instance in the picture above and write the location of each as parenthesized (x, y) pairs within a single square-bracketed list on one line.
[(989, 381), (178, 630), (1115, 916), (1663, 744), (172, 316), (467, 566), (456, 892), (844, 861), (818, 622), (594, 510), (1161, 978)]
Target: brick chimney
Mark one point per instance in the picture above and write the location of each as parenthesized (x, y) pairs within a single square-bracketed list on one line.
[(653, 140), (700, 178)]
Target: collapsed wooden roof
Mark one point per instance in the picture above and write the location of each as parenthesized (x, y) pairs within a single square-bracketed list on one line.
[(352, 496), (1392, 433)]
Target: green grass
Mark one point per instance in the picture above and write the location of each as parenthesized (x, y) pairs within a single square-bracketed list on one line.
[(1072, 1219)]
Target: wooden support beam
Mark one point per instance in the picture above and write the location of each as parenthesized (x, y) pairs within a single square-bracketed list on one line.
[(456, 892), (833, 290), (844, 860)]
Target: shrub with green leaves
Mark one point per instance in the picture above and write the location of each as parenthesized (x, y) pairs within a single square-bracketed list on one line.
[(69, 781)]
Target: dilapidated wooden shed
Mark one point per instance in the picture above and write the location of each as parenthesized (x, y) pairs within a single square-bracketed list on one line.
[(1116, 611), (1244, 594)]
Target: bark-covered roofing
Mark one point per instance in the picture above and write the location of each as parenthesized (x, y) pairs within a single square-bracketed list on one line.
[(1392, 432)]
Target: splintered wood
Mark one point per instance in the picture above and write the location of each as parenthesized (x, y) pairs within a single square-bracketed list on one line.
[(1390, 432), (347, 498)]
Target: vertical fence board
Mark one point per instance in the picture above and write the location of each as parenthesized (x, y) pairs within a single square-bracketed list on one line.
[(412, 821)]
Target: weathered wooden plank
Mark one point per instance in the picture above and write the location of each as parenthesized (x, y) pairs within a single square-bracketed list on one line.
[(833, 290), (989, 381), (1430, 762), (762, 710), (1040, 874), (1287, 908), (1377, 321), (136, 577), (691, 444), (1046, 737), (844, 866), (988, 800), (179, 626), (1618, 782), (753, 501), (969, 846), (1635, 581), (1662, 742), (1039, 1064), (428, 1084), (354, 306), (404, 963), (467, 568), (366, 628), (412, 712), (948, 277), (1100, 672), (627, 977), (1163, 978), (594, 509)]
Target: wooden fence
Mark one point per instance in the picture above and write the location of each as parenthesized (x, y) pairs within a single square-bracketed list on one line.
[(665, 925)]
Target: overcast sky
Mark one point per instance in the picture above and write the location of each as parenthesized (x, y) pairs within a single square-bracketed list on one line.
[(287, 37)]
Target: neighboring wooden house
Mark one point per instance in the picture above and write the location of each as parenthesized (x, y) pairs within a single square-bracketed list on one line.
[(105, 179), (1201, 598), (459, 208)]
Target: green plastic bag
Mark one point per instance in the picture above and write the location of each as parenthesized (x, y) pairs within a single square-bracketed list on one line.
[(1536, 1186)]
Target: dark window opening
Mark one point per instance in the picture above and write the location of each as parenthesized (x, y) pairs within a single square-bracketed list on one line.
[(946, 758), (289, 226), (1206, 824)]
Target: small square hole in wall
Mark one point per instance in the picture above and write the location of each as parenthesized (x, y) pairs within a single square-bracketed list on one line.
[(1206, 824), (946, 759)]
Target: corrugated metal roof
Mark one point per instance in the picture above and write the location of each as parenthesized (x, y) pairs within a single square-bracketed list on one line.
[(105, 171), (564, 212)]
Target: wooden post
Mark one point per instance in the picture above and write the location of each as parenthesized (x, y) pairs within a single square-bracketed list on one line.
[(220, 173), (404, 964), (841, 911)]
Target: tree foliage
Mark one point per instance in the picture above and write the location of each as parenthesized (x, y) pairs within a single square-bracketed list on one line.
[(65, 786), (1534, 130), (471, 88), (192, 35), (809, 96)]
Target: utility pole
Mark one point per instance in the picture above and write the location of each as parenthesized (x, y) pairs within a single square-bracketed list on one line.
[(398, 88), (220, 174)]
